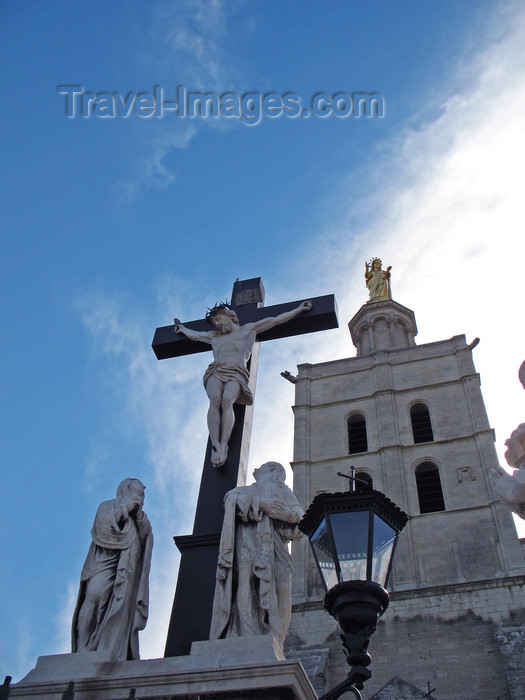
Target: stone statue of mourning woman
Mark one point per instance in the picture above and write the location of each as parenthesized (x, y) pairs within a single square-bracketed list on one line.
[(254, 571), (112, 602)]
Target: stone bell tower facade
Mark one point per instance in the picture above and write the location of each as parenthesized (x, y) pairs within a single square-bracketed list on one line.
[(411, 419)]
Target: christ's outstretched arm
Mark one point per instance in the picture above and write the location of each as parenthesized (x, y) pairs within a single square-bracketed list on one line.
[(203, 336), (266, 323)]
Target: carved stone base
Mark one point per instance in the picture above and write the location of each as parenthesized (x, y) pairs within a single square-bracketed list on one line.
[(241, 668)]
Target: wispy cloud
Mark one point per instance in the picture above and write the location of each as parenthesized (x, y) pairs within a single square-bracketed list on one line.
[(152, 170), (150, 390), (23, 641), (193, 33), (67, 603), (189, 35)]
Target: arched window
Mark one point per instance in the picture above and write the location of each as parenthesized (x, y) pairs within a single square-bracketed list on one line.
[(367, 478), (429, 489), (421, 425), (357, 441)]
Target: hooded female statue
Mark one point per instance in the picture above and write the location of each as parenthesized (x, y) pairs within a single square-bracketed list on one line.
[(112, 602)]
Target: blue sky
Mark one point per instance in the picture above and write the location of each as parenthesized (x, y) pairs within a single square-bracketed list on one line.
[(112, 226)]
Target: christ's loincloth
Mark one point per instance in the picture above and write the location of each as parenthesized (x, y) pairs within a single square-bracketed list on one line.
[(231, 373)]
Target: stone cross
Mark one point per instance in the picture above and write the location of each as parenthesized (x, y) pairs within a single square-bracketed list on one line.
[(192, 607)]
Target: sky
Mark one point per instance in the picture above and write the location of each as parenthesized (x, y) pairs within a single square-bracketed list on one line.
[(115, 224)]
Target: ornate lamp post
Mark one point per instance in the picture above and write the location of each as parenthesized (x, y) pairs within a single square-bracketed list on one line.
[(353, 536)]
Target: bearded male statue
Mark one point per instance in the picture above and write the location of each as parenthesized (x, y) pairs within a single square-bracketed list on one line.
[(112, 602), (254, 570)]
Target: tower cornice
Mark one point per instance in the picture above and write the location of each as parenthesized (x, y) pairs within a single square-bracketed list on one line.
[(382, 325)]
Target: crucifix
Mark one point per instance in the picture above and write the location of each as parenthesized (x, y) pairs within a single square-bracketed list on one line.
[(225, 469)]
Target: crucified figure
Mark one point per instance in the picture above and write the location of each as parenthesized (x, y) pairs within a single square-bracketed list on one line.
[(226, 379)]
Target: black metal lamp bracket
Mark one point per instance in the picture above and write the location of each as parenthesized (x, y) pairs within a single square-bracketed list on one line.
[(357, 676)]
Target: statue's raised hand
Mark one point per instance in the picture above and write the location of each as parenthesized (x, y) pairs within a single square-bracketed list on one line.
[(275, 508), (134, 505)]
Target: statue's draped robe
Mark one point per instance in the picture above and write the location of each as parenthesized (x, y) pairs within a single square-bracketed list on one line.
[(231, 373), (117, 567), (379, 288), (511, 487), (253, 588)]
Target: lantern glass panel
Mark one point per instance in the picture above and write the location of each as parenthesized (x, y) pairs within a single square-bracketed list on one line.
[(384, 539), (323, 550), (350, 532)]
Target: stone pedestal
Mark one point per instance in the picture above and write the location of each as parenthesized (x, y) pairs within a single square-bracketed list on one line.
[(240, 668)]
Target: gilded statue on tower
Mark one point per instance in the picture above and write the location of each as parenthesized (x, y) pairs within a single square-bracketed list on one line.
[(377, 280)]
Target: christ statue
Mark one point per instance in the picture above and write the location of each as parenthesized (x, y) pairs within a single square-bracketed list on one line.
[(226, 379)]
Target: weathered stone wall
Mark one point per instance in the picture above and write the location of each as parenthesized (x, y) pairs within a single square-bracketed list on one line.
[(511, 642), (468, 641)]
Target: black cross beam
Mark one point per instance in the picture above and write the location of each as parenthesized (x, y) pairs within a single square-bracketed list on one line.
[(323, 316), (192, 606)]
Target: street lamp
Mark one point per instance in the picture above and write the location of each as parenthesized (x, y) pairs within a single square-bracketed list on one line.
[(353, 536)]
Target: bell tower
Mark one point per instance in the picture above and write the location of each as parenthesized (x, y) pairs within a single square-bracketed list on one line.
[(411, 420)]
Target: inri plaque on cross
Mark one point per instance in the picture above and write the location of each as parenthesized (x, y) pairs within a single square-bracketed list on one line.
[(192, 607)]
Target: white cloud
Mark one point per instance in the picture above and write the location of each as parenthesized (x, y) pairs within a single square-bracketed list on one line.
[(163, 578)]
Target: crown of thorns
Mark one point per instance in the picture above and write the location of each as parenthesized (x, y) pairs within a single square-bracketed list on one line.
[(221, 306)]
